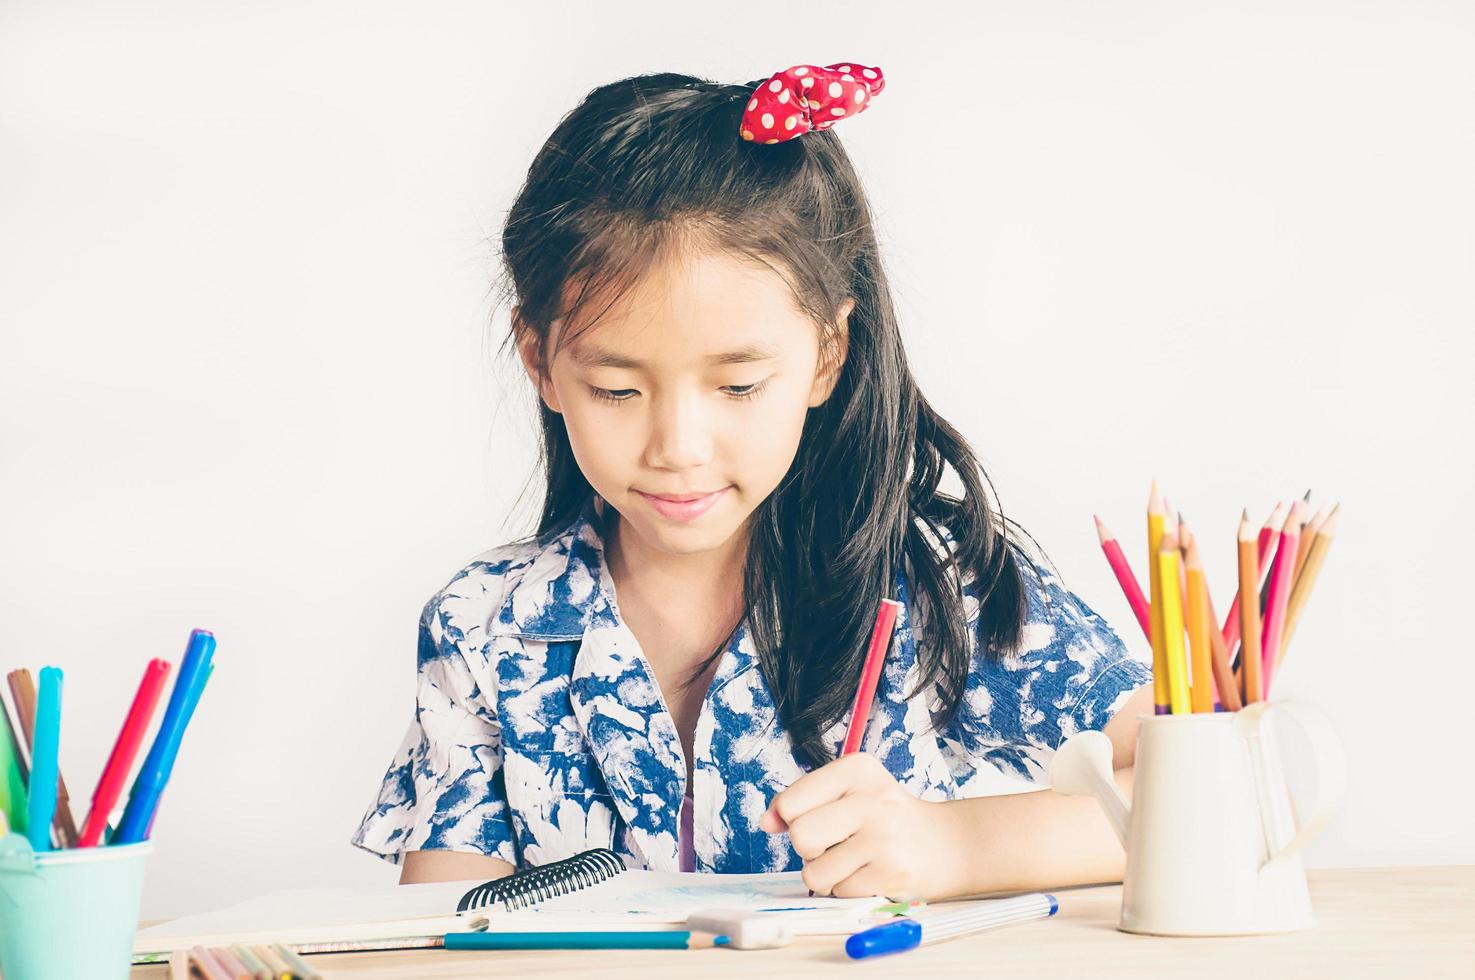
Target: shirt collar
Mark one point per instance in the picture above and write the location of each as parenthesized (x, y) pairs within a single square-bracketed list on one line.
[(561, 589)]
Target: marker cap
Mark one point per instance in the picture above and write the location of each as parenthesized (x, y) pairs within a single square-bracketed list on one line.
[(893, 937)]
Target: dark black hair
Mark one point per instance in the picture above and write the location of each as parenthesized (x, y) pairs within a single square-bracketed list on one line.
[(650, 165)]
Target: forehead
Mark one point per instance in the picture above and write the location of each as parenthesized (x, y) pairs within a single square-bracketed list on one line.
[(705, 304)]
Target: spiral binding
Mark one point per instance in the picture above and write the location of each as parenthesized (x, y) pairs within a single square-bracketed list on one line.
[(546, 881)]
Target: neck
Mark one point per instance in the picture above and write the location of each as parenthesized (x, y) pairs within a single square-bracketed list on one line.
[(713, 577)]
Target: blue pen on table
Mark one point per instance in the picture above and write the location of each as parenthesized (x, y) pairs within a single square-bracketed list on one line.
[(904, 933), (45, 744), (154, 773)]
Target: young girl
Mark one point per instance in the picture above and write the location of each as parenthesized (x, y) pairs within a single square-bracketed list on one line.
[(739, 467)]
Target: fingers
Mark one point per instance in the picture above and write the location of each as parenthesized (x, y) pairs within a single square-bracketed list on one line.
[(816, 831), (836, 865), (867, 880), (825, 785)]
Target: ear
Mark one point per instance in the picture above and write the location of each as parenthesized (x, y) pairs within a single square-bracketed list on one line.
[(530, 349), (833, 350)]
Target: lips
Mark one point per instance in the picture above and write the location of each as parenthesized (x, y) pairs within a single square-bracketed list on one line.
[(683, 507)]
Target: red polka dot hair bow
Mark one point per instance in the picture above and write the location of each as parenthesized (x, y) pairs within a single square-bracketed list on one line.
[(806, 97)]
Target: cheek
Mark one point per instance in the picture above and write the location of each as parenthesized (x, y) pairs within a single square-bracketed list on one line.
[(601, 446), (768, 430)]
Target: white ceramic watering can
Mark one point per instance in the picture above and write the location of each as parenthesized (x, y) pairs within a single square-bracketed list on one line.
[(1213, 845)]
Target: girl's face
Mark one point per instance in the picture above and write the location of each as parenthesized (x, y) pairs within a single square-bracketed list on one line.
[(685, 404)]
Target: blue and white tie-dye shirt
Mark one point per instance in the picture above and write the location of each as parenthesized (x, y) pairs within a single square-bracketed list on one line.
[(540, 730)]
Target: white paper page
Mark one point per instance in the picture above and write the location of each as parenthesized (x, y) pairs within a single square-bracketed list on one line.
[(672, 896), (317, 907), (631, 897)]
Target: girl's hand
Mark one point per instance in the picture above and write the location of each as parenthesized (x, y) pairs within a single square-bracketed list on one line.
[(860, 833)]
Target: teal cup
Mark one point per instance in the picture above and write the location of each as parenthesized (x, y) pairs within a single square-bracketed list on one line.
[(69, 914)]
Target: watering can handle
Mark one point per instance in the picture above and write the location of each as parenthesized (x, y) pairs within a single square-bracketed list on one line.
[(1331, 766)]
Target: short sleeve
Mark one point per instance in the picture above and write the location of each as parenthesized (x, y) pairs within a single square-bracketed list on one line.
[(444, 791), (1071, 672)]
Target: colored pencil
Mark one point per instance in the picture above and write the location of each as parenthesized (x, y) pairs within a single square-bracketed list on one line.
[(1170, 526), (254, 963), (23, 690), (153, 775), (1268, 531), (125, 749), (230, 964), (298, 965), (1125, 578), (1202, 689), (1156, 517), (207, 964), (45, 744), (1272, 631), (870, 674), (629, 939), (1169, 563), (179, 965), (1249, 585), (1301, 591), (1308, 533), (272, 959), (1224, 680), (1295, 524), (1225, 687)]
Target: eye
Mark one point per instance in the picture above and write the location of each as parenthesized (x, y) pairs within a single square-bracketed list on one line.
[(613, 394), (746, 391)]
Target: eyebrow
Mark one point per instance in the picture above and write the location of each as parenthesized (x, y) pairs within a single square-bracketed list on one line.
[(592, 356)]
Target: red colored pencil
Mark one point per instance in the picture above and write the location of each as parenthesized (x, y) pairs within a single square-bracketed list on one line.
[(870, 674), (1281, 574), (1125, 578), (115, 773)]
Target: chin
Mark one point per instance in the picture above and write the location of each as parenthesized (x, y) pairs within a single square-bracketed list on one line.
[(687, 540)]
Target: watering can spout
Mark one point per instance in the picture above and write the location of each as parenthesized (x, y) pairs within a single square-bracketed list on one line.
[(1082, 767)]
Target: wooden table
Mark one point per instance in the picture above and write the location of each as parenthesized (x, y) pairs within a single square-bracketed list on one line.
[(1393, 922)]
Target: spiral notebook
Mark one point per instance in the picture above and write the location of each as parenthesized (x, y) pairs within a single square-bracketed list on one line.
[(592, 890)]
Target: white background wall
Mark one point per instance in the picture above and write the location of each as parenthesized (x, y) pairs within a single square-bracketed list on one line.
[(247, 379)]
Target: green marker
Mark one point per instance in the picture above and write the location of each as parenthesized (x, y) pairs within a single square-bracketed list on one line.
[(13, 802)]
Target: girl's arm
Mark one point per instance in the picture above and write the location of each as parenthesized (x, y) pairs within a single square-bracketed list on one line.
[(861, 833), (422, 866)]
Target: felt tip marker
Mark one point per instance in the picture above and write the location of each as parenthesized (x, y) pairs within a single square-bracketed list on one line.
[(904, 934)]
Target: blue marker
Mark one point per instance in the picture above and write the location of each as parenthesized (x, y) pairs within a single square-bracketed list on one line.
[(154, 773), (904, 933), (45, 742)]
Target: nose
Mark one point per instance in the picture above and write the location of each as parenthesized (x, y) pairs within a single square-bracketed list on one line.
[(680, 437)]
